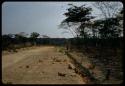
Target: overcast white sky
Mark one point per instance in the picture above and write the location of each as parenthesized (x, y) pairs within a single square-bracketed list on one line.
[(41, 17)]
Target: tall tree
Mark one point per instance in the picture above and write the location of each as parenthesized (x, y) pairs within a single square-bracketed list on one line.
[(108, 9), (109, 22), (6, 41), (34, 36), (21, 37), (77, 15)]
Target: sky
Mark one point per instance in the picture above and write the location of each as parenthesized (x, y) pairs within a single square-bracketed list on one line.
[(41, 17)]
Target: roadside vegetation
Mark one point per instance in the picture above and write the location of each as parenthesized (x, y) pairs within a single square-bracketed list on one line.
[(100, 39)]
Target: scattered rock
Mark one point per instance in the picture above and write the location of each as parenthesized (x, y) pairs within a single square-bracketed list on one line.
[(20, 66), (40, 61), (76, 71), (27, 66), (71, 66), (61, 74), (43, 72), (73, 75), (57, 60), (64, 60)]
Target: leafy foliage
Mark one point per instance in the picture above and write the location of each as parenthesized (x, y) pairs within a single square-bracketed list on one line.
[(78, 15), (34, 35)]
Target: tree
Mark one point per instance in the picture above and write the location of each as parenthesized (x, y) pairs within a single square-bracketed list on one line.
[(108, 25), (34, 36), (21, 37), (109, 22), (6, 41), (77, 15), (108, 9), (119, 16)]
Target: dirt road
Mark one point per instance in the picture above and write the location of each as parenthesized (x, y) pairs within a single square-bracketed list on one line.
[(41, 65)]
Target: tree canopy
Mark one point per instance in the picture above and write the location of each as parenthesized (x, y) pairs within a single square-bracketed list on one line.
[(34, 35)]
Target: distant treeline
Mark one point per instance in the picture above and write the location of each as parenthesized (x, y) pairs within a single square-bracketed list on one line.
[(9, 43), (19, 42)]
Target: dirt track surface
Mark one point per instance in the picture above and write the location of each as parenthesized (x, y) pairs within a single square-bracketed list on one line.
[(41, 65)]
